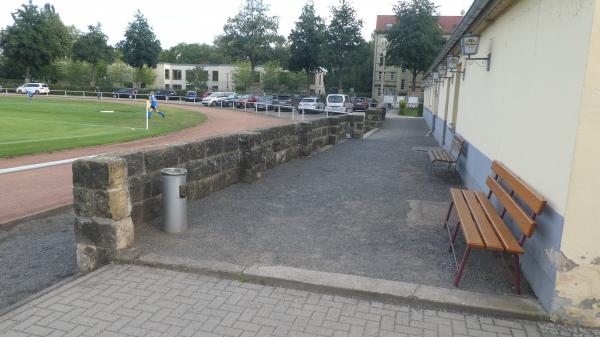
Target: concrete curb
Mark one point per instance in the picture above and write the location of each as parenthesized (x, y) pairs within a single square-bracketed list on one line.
[(508, 306), (37, 215), (370, 133)]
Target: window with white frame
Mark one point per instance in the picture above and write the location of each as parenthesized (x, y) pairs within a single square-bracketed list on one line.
[(402, 85), (177, 74), (379, 75), (392, 76)]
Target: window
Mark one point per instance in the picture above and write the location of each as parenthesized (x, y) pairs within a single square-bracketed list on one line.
[(177, 74), (403, 69), (380, 59), (378, 91), (167, 73), (389, 25), (215, 88), (177, 86), (189, 74), (379, 75), (167, 86), (402, 85), (392, 76), (215, 76)]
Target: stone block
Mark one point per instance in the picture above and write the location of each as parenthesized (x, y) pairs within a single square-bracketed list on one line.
[(229, 161), (82, 202), (156, 184), (231, 143), (248, 140), (135, 163), (99, 172), (111, 204), (182, 152), (152, 208), (137, 188), (214, 146), (104, 233), (197, 150), (137, 213), (160, 158), (90, 258)]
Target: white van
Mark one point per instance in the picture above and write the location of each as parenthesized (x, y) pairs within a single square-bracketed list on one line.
[(36, 88), (338, 103)]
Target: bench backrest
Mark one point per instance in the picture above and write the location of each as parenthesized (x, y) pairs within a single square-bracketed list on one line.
[(457, 146), (509, 189)]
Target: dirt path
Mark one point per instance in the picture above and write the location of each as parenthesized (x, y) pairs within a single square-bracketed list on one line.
[(30, 192)]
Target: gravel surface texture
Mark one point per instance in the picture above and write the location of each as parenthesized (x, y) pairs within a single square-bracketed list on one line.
[(364, 207), (35, 254)]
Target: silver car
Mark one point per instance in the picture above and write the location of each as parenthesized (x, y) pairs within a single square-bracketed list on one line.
[(311, 104)]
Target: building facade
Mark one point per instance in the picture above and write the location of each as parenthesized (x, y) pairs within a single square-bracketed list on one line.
[(220, 77), (397, 80), (547, 134)]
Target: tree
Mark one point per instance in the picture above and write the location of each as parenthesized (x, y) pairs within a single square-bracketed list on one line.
[(140, 47), (36, 38), (250, 34), (194, 53), (120, 73), (242, 76), (416, 39), (197, 78), (144, 76), (270, 79), (343, 38), (92, 47), (307, 40)]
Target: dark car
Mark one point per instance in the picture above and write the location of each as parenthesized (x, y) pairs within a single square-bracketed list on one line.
[(165, 94), (246, 101), (124, 93), (287, 102), (229, 100), (192, 96), (264, 102), (360, 103)]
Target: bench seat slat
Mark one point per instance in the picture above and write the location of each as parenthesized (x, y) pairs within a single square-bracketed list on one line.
[(488, 234), (467, 224), (511, 245), (530, 197)]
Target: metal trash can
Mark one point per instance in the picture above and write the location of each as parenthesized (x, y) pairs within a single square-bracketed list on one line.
[(174, 201)]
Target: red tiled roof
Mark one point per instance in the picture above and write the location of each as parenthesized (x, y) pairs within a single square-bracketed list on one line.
[(447, 23)]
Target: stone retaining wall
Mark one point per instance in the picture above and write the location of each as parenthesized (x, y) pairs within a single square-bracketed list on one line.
[(374, 118), (114, 193)]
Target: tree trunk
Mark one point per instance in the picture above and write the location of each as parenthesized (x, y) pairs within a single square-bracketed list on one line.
[(340, 80), (27, 74), (414, 81), (93, 79), (252, 71)]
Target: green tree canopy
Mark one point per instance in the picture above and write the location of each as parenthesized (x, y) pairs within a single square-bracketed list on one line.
[(270, 79), (140, 47), (416, 39), (194, 53), (307, 40), (343, 38), (242, 77), (36, 38), (251, 34), (197, 78), (92, 47)]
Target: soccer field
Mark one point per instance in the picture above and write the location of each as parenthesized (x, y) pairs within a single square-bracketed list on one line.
[(50, 124)]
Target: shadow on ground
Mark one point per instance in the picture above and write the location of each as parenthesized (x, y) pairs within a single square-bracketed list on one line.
[(365, 207)]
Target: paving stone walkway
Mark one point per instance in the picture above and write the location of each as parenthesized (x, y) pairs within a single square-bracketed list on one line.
[(123, 301)]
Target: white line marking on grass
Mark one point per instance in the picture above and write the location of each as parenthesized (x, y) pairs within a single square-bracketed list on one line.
[(107, 111), (42, 165), (64, 122)]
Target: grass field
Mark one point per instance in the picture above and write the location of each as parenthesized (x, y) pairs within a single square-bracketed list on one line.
[(50, 124)]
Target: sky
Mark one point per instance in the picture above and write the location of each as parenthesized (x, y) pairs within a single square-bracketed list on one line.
[(200, 21)]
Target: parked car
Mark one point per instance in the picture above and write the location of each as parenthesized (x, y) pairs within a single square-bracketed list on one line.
[(311, 104), (124, 93), (264, 102), (372, 102), (192, 96), (360, 103), (338, 103), (287, 102), (206, 94), (36, 88), (246, 101), (165, 94), (229, 100), (215, 98)]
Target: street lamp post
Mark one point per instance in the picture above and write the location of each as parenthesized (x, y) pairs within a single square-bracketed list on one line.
[(384, 45)]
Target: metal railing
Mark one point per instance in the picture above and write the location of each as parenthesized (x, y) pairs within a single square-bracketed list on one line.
[(281, 111)]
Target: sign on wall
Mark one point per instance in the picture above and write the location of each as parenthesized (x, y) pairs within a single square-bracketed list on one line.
[(469, 44)]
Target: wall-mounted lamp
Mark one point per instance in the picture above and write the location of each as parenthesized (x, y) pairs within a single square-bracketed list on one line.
[(469, 45), (452, 63)]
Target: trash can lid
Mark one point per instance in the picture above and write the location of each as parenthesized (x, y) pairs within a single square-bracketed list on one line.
[(173, 171)]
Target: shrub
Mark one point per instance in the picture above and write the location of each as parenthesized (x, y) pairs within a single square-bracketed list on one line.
[(402, 110)]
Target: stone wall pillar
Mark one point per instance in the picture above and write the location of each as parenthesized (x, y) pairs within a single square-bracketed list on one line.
[(251, 157), (373, 118), (102, 210)]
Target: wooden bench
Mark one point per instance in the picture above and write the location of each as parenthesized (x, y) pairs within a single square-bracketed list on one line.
[(484, 227), (439, 155)]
